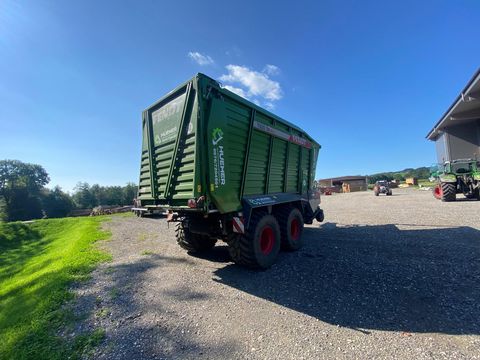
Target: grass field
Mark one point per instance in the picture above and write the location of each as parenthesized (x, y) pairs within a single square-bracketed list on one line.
[(38, 262)]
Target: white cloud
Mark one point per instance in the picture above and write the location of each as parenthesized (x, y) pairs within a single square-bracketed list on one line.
[(269, 105), (256, 83), (200, 59), (271, 70), (236, 90)]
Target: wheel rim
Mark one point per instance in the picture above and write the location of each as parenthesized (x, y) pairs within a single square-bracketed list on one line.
[(437, 192), (267, 239), (295, 229)]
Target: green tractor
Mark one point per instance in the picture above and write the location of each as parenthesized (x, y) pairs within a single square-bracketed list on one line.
[(457, 177)]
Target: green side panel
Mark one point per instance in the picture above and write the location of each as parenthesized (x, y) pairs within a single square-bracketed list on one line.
[(313, 164), (256, 175), (281, 126), (237, 124), (305, 170), (255, 182), (293, 164), (263, 119), (144, 185), (277, 168), (227, 134)]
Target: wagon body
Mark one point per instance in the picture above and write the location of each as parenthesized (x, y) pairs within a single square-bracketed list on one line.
[(201, 140), (224, 168)]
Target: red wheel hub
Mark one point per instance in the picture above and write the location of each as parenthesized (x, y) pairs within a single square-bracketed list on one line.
[(267, 240), (437, 192), (295, 229)]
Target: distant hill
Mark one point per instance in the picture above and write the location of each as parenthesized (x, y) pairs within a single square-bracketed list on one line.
[(420, 173)]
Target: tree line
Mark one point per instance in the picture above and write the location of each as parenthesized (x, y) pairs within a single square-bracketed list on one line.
[(24, 195), (419, 173)]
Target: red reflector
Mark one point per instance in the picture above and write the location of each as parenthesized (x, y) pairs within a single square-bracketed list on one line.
[(192, 203)]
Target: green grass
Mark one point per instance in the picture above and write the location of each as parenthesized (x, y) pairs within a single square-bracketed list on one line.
[(85, 343), (147, 252), (125, 214), (38, 262), (114, 293), (102, 313)]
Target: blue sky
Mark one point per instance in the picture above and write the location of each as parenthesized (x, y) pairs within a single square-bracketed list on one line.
[(367, 79)]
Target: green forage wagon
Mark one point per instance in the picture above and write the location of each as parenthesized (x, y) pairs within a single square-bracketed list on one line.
[(224, 168)]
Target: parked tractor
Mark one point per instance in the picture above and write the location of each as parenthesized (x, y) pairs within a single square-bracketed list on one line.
[(457, 177), (382, 187)]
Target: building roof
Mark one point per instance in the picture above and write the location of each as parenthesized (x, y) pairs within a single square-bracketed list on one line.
[(345, 178), (465, 108)]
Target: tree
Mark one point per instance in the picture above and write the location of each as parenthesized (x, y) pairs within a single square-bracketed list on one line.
[(56, 203), (3, 210), (20, 186), (399, 177), (83, 197), (98, 193), (114, 195), (372, 179), (129, 193), (86, 196)]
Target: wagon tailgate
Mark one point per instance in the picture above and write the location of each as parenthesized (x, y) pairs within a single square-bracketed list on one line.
[(170, 163)]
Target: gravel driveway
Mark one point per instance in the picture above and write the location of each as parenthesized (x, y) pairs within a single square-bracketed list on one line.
[(382, 277)]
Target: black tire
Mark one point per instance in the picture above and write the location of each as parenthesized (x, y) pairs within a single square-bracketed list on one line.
[(259, 246), (193, 242), (291, 225), (449, 192), (474, 195)]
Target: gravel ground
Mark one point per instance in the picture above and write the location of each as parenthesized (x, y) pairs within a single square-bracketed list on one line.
[(382, 277)]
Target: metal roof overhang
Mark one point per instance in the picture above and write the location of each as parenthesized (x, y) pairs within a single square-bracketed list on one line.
[(466, 108)]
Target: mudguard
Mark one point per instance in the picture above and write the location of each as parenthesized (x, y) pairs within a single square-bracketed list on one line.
[(251, 202), (448, 178)]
